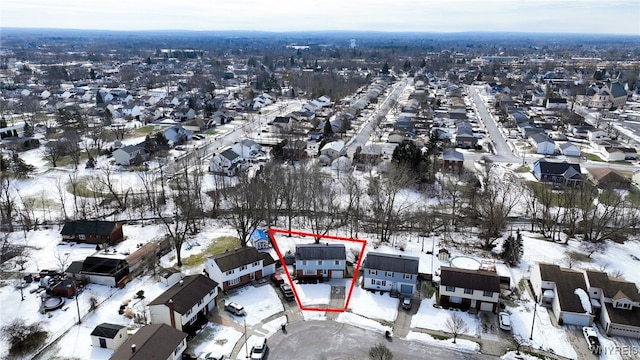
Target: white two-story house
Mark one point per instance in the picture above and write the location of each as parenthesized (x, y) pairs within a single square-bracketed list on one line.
[(320, 261), (227, 162), (469, 289), (186, 302), (239, 267)]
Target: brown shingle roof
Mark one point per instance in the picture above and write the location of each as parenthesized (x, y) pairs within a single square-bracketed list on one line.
[(233, 259), (157, 341), (186, 293), (470, 279), (610, 287)]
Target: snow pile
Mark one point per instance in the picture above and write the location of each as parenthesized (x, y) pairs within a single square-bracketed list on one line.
[(310, 315), (362, 322), (259, 303), (429, 317), (584, 299), (511, 355), (374, 305), (461, 344)]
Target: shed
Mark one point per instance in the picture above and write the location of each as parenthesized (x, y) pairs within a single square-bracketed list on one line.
[(109, 336)]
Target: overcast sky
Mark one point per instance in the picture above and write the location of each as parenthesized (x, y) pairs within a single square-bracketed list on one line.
[(555, 16)]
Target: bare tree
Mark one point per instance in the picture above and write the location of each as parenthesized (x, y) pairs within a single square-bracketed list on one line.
[(119, 196), (455, 324), (380, 352), (63, 260), (243, 201), (7, 203), (520, 341)]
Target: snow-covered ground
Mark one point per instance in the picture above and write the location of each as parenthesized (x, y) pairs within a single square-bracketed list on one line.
[(432, 318), (311, 295), (362, 322), (259, 303), (374, 305), (219, 340), (460, 344)]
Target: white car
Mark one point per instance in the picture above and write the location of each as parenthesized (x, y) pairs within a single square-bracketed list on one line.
[(211, 356), (505, 321), (591, 336), (260, 349), (234, 308)]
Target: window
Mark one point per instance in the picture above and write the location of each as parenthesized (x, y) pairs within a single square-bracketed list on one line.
[(200, 302), (407, 277), (451, 288), (388, 274), (468, 291), (309, 272), (337, 263), (234, 281), (230, 272), (319, 262), (373, 272), (488, 293), (304, 262), (243, 267), (256, 264), (81, 237)]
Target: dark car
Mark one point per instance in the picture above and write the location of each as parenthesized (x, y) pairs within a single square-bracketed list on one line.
[(277, 279), (287, 292)]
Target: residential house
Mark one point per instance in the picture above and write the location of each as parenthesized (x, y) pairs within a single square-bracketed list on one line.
[(177, 135), (183, 114), (398, 136), (109, 336), (130, 155), (557, 103), (610, 95), (157, 341), (131, 110), (387, 272), (92, 232), (227, 162), (186, 304), (239, 267), (616, 304), (557, 172), (452, 161), (246, 148), (320, 261), (281, 124), (465, 137), (565, 291), (260, 239), (469, 289), (607, 178), (595, 134), (543, 144), (334, 150), (370, 155), (613, 154), (109, 271), (294, 150), (569, 149)]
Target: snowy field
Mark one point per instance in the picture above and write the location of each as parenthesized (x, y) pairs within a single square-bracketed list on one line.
[(431, 318), (313, 294), (461, 344), (218, 340), (362, 322)]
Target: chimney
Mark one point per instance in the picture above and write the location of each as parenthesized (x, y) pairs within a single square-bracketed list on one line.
[(172, 314), (133, 348)]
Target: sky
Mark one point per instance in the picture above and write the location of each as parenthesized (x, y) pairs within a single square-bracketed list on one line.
[(550, 16)]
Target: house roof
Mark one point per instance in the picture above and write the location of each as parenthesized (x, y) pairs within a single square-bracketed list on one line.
[(622, 316), (452, 155), (556, 168), (233, 259), (539, 138), (259, 234), (106, 330), (229, 154), (157, 341), (469, 279), (88, 227), (617, 90), (101, 265), (186, 293), (167, 272), (567, 281), (130, 149), (320, 252), (607, 175), (568, 145), (390, 262), (611, 287)]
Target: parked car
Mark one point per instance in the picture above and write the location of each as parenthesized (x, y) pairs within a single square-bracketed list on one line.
[(235, 308), (211, 356), (260, 349), (406, 303), (504, 320), (277, 279), (591, 336), (287, 291)]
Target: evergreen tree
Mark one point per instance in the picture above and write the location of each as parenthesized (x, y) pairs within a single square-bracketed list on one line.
[(328, 130), (512, 249), (385, 69), (99, 98)]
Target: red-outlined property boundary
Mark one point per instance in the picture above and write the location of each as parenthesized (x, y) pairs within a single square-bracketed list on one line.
[(274, 231)]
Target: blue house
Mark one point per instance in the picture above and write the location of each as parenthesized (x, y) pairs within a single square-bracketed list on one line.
[(321, 261), (387, 272), (259, 239)]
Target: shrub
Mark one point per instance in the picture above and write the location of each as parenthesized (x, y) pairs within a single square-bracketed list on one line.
[(22, 337)]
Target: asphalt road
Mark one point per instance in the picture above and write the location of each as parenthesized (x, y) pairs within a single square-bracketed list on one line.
[(329, 340)]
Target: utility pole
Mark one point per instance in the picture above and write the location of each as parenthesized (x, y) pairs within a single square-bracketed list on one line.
[(75, 290), (246, 343), (535, 307)]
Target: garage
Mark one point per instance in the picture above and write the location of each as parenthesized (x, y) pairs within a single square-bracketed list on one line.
[(406, 289), (486, 306), (576, 319), (337, 274)]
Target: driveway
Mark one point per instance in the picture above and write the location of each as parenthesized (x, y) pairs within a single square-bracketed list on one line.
[(328, 340)]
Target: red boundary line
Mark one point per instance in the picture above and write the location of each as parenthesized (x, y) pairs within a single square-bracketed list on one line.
[(273, 231)]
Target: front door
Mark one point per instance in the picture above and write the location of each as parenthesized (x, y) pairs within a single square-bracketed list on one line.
[(103, 343)]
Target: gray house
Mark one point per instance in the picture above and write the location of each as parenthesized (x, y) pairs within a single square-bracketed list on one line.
[(387, 272), (321, 261)]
